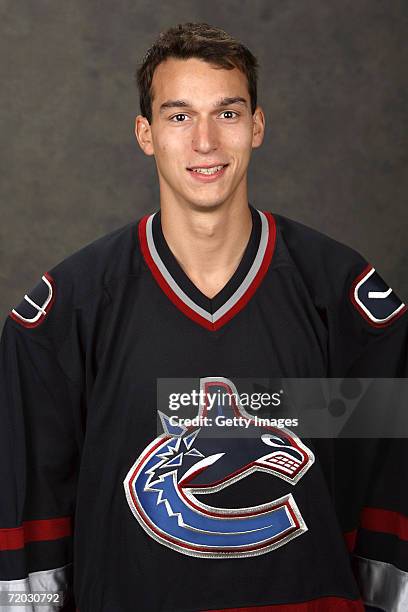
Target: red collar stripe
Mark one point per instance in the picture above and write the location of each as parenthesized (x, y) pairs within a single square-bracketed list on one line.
[(240, 297)]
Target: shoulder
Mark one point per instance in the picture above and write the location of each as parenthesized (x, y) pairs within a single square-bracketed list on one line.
[(314, 252), (336, 274), (100, 262), (79, 279)]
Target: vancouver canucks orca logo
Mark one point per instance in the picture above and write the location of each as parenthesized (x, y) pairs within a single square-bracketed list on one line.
[(162, 484)]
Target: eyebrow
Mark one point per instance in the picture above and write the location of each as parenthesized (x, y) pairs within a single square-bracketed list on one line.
[(227, 101)]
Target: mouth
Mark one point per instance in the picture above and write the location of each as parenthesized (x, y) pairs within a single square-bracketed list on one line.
[(207, 174)]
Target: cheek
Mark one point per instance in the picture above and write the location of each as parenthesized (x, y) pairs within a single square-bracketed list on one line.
[(163, 147), (170, 150), (170, 157), (239, 141)]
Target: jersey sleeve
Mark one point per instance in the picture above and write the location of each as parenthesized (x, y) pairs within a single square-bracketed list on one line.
[(41, 414), (368, 325), (368, 340)]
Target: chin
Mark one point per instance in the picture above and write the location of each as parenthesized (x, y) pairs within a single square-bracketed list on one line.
[(207, 205), (214, 200)]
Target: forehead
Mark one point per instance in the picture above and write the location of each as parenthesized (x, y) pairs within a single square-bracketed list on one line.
[(196, 80)]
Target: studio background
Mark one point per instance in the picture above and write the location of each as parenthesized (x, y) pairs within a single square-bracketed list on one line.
[(333, 85)]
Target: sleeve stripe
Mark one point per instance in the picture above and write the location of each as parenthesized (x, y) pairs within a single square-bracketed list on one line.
[(50, 581), (321, 604), (385, 521), (35, 531), (382, 585)]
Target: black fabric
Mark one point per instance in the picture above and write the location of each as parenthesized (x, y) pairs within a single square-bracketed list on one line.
[(79, 400)]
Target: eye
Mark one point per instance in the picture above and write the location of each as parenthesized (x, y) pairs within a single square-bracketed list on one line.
[(178, 115), (230, 111), (272, 440)]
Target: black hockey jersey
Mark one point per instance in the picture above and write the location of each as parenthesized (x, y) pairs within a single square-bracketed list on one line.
[(105, 497)]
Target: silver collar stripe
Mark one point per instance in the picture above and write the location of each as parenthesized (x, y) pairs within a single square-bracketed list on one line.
[(237, 295)]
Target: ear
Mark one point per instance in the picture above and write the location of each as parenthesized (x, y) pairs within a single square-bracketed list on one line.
[(143, 133), (258, 130)]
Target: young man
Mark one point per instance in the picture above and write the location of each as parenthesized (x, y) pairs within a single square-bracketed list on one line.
[(96, 500)]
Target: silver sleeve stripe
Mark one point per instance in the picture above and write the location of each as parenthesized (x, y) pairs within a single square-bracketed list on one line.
[(51, 581), (382, 585)]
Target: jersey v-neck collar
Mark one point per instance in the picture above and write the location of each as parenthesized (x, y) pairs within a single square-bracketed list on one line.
[(214, 312), (211, 305)]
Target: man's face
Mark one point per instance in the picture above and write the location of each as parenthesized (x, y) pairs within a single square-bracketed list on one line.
[(201, 117)]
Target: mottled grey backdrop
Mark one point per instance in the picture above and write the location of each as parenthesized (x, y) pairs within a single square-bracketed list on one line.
[(333, 84)]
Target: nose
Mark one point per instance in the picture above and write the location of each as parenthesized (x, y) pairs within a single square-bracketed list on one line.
[(205, 138)]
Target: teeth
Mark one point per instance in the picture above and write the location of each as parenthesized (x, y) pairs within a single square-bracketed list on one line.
[(208, 170)]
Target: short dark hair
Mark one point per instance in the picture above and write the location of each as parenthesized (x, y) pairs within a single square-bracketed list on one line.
[(202, 41)]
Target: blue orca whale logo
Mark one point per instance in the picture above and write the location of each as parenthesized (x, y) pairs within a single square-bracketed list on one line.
[(162, 484)]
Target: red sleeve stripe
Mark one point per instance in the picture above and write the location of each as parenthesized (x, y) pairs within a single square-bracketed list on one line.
[(385, 521), (35, 531), (323, 604)]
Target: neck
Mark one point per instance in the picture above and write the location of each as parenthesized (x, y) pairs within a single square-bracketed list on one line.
[(208, 244)]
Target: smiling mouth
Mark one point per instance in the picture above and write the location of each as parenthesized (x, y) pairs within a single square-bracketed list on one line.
[(208, 171)]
